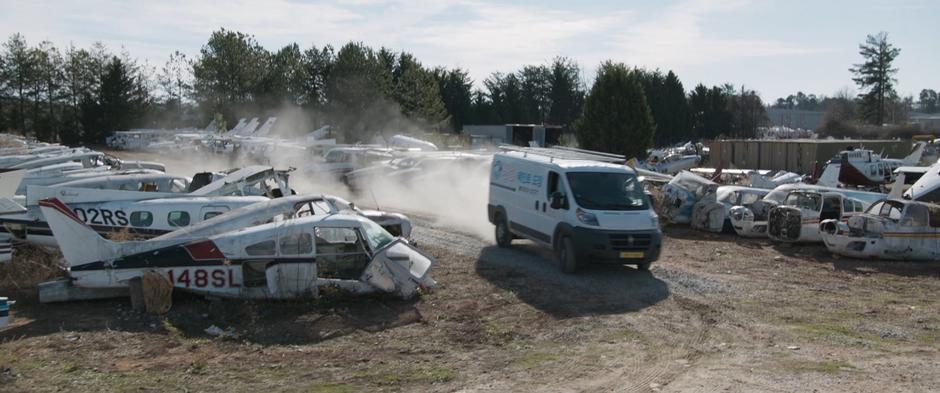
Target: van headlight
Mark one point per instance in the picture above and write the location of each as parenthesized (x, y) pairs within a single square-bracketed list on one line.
[(586, 218), (654, 220)]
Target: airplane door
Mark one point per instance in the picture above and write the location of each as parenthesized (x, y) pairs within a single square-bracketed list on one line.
[(208, 212)]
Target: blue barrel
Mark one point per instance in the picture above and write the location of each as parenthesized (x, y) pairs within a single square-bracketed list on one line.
[(4, 312)]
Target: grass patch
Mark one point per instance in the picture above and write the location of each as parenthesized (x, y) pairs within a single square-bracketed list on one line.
[(830, 330), (532, 359), (824, 367), (334, 387), (498, 332), (624, 335), (172, 329), (421, 375)]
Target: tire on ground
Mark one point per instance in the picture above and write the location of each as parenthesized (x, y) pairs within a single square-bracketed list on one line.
[(566, 256), (501, 232)]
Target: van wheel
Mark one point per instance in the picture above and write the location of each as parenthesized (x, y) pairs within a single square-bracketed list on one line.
[(567, 260), (503, 236), (645, 266)]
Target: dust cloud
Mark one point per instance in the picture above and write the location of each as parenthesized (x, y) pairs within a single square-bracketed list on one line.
[(453, 197)]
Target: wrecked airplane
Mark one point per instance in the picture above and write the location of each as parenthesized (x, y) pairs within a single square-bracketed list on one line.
[(711, 213), (797, 218), (289, 259), (681, 194), (889, 229)]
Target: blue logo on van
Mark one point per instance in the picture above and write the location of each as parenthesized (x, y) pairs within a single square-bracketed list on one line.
[(497, 169)]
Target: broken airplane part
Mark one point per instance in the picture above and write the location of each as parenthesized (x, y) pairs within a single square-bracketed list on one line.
[(288, 259), (889, 229)]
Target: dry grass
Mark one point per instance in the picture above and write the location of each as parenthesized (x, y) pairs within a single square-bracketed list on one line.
[(30, 266)]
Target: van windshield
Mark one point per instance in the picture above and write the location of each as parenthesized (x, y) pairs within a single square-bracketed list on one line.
[(607, 191)]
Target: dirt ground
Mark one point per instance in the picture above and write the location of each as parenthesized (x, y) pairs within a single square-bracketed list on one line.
[(716, 313)]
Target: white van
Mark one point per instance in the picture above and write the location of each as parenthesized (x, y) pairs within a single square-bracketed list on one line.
[(587, 211)]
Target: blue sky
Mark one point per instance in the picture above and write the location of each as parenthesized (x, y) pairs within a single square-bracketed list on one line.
[(775, 47)]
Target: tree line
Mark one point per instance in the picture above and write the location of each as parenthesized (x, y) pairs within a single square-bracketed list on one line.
[(877, 110), (80, 95)]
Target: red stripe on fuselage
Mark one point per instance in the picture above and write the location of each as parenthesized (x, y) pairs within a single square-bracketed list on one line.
[(55, 203), (204, 250)]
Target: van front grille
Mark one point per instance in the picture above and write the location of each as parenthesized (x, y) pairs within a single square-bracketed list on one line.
[(630, 241)]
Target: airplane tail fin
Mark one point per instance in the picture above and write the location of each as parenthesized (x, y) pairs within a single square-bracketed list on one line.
[(830, 175), (898, 187), (913, 159), (10, 182), (79, 243)]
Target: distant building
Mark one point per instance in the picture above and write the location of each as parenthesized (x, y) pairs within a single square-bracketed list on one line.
[(795, 118), (928, 122), (515, 134)]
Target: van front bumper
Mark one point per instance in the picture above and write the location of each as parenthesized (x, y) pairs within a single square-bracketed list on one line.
[(617, 247)]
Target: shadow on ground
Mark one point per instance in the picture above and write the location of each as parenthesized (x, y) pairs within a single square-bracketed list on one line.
[(529, 271), (898, 268), (262, 322)]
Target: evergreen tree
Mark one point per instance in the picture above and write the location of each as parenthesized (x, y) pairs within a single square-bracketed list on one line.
[(229, 74), (535, 88), (417, 92), (675, 126), (175, 80), (317, 64), (567, 92), (456, 92), (616, 117), (876, 75), (928, 103), (120, 102), (20, 72)]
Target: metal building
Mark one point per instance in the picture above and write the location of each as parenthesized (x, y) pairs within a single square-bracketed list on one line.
[(795, 155)]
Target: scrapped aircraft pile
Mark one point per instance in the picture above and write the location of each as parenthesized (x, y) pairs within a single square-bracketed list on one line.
[(845, 208), (241, 233), (245, 233)]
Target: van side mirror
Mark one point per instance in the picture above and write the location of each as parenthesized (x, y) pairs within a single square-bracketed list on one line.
[(558, 200)]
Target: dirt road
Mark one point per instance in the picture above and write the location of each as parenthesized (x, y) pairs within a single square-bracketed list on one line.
[(716, 313)]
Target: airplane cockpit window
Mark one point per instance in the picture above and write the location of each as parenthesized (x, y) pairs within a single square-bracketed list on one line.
[(748, 198), (209, 215), (915, 215), (178, 185), (890, 210), (313, 208), (340, 253)]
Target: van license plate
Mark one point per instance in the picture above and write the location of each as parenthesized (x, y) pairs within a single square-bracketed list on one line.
[(631, 254)]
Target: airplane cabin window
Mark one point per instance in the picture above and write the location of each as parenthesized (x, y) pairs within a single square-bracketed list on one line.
[(261, 248), (209, 215), (141, 219), (178, 218), (297, 244)]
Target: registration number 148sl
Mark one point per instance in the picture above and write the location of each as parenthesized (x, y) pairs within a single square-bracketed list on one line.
[(204, 278)]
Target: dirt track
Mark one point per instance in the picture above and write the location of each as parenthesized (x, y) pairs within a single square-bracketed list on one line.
[(715, 313)]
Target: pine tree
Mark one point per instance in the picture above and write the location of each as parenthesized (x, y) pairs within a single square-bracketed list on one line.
[(616, 117), (876, 76)]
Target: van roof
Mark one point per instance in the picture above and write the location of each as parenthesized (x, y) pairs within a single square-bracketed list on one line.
[(568, 164)]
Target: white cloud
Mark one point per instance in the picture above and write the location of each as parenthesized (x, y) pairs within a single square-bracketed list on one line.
[(478, 35)]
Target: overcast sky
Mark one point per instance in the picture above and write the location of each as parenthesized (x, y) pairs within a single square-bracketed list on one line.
[(774, 47)]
